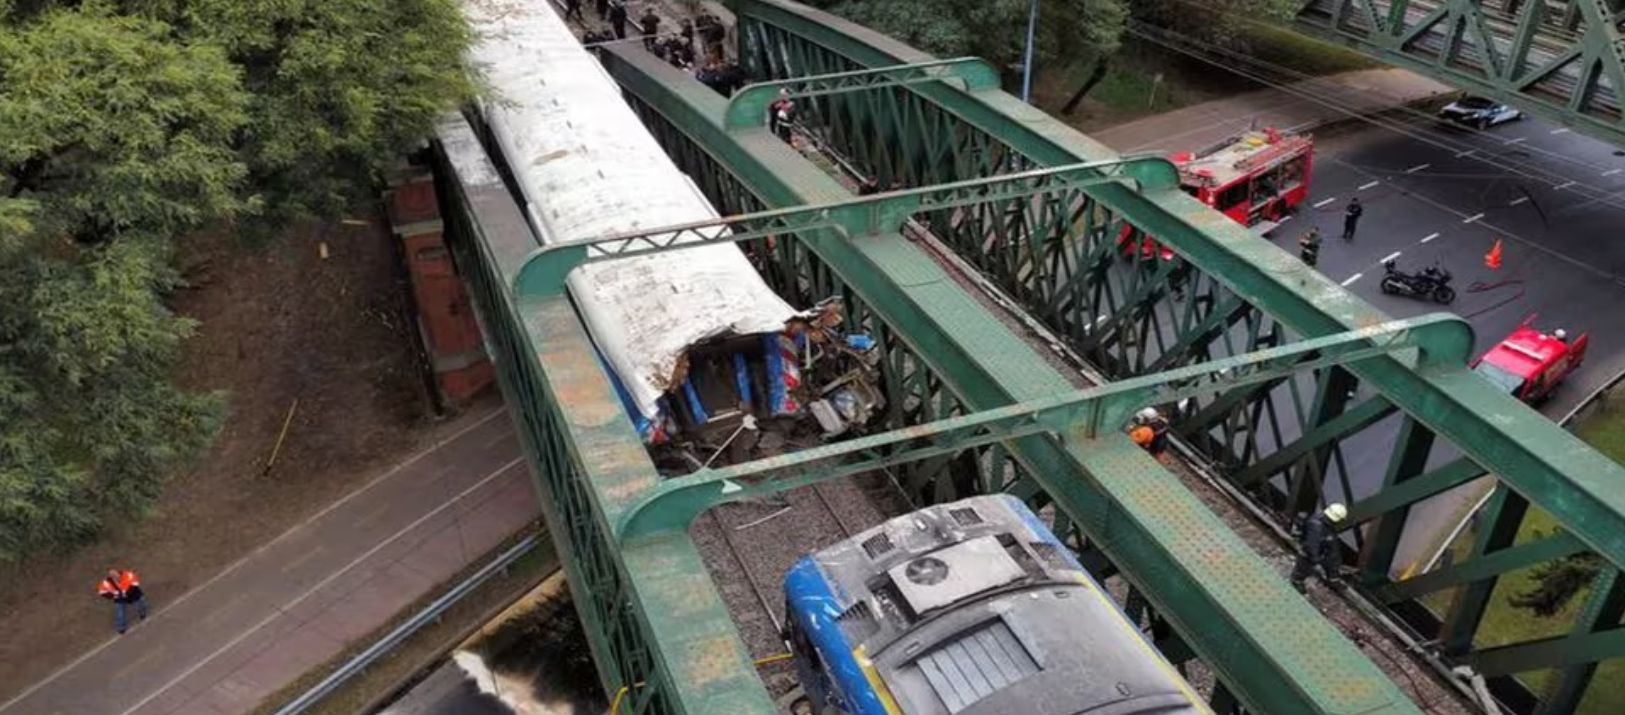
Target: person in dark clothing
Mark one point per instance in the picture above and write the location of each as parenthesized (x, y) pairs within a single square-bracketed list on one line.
[(1320, 548), (573, 8), (1309, 247), (688, 35), (869, 187), (617, 19), (1351, 218), (650, 26), (602, 6)]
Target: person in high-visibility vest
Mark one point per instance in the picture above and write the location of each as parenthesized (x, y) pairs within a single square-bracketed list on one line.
[(123, 588)]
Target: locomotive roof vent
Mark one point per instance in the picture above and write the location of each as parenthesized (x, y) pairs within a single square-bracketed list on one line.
[(954, 573)]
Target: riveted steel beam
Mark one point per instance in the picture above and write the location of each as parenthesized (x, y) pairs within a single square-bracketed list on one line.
[(748, 107), (1441, 337), (1567, 478), (654, 621), (545, 270), (1567, 67), (1481, 568), (1261, 637)]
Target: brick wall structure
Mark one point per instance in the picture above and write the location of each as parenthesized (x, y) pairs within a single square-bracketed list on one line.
[(445, 318)]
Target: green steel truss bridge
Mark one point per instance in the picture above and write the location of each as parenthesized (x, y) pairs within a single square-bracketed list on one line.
[(1561, 59), (1285, 370)]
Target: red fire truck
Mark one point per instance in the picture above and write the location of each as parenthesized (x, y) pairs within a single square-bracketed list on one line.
[(1255, 178), (1530, 364)]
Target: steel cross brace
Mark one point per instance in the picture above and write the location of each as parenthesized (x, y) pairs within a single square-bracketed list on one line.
[(748, 108), (546, 269), (1439, 339)]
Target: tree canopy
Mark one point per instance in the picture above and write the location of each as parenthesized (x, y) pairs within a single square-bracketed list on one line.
[(124, 125), (993, 29)]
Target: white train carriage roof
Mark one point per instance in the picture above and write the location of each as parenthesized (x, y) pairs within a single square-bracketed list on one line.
[(588, 169)]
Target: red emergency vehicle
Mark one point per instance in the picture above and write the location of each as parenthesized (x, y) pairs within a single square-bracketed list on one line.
[(1530, 364), (1255, 178)]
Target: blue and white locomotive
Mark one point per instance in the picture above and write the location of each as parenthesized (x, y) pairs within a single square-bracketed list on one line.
[(968, 608)]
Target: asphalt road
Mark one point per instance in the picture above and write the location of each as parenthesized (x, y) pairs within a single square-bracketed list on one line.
[(1438, 194)]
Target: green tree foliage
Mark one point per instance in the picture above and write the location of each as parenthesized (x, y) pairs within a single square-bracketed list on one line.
[(994, 29), (1220, 22), (125, 124), (112, 138), (338, 88)]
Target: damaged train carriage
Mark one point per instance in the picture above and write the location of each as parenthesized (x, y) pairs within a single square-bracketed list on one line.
[(695, 341)]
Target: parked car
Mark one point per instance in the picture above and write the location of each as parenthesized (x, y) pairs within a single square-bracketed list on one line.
[(1478, 112)]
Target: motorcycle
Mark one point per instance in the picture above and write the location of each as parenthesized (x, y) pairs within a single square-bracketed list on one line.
[(1431, 282)]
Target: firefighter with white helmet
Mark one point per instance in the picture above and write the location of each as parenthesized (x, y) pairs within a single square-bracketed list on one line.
[(1320, 548)]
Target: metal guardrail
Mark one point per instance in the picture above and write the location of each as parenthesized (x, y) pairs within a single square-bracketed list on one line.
[(355, 665)]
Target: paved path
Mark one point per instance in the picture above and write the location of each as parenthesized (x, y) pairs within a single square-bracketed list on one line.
[(1200, 125), (301, 599)]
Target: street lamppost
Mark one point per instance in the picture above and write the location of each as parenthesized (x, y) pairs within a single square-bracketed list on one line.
[(1027, 63)]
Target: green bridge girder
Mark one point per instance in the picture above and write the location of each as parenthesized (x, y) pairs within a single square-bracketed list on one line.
[(1560, 59), (929, 133), (1269, 647), (655, 621)]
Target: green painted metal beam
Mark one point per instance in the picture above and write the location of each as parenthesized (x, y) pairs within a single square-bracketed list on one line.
[(1557, 652), (748, 107), (1602, 611), (545, 270), (1091, 411), (1415, 489), (666, 628), (1581, 488), (1483, 567), (1573, 77), (1259, 635), (1363, 415)]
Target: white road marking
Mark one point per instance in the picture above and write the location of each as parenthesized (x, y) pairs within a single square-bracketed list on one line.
[(1518, 200), (227, 571), (1560, 130), (1472, 218), (1368, 185), (280, 611), (1389, 257), (1353, 278), (1284, 219), (1611, 172), (1430, 237), (1417, 168), (1323, 202), (1564, 185), (1519, 139), (1469, 152)]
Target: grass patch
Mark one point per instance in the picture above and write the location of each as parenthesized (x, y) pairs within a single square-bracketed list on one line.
[(1129, 87), (1281, 46), (1503, 624)]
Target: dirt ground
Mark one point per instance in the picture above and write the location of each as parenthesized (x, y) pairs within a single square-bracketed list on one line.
[(278, 323)]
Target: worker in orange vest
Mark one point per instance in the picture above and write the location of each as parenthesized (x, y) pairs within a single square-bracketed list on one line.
[(123, 588)]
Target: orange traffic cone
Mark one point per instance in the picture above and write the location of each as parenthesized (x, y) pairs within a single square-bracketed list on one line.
[(1492, 260)]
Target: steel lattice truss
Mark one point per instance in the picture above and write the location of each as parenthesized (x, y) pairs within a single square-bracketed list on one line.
[(1562, 59), (1285, 370)]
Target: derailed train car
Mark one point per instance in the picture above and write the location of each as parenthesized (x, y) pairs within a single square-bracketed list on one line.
[(693, 338), (968, 608)]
